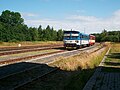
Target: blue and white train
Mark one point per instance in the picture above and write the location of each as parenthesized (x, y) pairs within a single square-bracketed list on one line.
[(76, 39)]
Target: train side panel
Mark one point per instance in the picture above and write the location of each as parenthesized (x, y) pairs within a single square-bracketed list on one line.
[(84, 39)]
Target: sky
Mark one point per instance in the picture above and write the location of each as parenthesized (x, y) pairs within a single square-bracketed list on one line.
[(86, 16)]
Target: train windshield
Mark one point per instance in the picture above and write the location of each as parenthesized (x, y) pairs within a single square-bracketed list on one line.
[(71, 34), (74, 35), (66, 35)]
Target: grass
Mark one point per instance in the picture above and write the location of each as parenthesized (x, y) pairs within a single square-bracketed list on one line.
[(113, 58), (27, 54), (28, 43), (73, 72), (115, 48), (78, 81), (82, 66), (83, 60)]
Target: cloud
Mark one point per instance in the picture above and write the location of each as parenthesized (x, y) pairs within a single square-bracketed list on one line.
[(83, 18), (89, 24), (80, 11), (44, 22), (29, 15)]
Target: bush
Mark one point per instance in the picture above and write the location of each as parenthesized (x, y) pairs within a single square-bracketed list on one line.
[(14, 40), (1, 42)]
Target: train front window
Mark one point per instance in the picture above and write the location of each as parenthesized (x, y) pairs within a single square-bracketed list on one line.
[(74, 37), (71, 35), (66, 37)]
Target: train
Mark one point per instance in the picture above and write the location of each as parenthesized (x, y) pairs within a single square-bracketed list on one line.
[(77, 39)]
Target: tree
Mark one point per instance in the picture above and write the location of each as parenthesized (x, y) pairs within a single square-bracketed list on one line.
[(60, 35), (33, 33), (13, 25), (40, 33), (11, 18), (47, 34), (53, 34), (12, 28), (104, 35)]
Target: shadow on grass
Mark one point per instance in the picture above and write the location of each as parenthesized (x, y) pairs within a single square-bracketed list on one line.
[(110, 69), (112, 63), (60, 80), (114, 55)]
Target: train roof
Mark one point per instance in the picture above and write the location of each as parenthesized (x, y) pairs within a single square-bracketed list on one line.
[(71, 31), (92, 35), (85, 34), (76, 32)]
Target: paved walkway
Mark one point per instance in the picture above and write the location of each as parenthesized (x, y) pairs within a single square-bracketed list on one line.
[(104, 78)]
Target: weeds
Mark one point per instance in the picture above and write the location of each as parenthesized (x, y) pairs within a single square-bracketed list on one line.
[(83, 66)]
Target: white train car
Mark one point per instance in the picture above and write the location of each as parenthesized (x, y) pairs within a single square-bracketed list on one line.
[(75, 39)]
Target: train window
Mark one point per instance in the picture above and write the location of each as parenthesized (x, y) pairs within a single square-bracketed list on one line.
[(84, 36), (74, 37), (66, 37), (92, 38)]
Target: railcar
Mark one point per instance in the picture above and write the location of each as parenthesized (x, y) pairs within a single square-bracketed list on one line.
[(91, 40), (75, 39)]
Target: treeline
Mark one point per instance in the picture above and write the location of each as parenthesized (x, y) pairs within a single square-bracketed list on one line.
[(111, 36), (12, 28)]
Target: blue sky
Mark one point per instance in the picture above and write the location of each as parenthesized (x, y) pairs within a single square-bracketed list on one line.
[(90, 15)]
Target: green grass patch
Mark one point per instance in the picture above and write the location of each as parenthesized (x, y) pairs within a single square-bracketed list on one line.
[(113, 59)]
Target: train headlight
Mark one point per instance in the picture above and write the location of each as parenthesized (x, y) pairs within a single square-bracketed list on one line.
[(76, 41), (65, 41)]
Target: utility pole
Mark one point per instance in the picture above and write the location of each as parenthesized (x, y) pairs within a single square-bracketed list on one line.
[(118, 36), (84, 29)]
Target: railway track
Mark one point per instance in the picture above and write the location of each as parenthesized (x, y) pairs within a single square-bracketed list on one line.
[(19, 74), (27, 47), (20, 59), (28, 50)]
